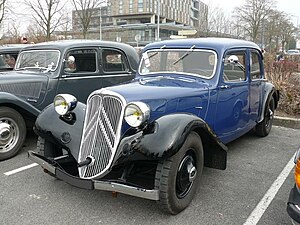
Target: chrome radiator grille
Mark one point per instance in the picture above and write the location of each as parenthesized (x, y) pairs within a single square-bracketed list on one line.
[(101, 133)]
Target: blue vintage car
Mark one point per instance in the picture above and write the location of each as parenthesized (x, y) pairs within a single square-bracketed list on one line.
[(152, 136)]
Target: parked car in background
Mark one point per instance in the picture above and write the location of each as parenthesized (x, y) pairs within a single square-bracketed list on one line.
[(43, 70), (293, 205), (293, 52), (152, 136), (8, 55)]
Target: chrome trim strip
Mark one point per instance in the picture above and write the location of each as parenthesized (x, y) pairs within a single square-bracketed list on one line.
[(126, 189), (45, 165), (74, 77)]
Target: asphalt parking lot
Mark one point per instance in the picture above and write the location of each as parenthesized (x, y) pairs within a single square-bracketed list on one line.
[(247, 186)]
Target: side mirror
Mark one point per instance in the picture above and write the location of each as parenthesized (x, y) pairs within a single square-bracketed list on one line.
[(71, 59), (233, 59)]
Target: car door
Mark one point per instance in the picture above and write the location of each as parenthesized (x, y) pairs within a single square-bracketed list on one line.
[(85, 70), (256, 84), (232, 113)]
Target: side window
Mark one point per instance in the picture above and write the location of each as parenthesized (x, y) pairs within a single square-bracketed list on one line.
[(113, 61), (255, 70), (81, 61), (234, 67)]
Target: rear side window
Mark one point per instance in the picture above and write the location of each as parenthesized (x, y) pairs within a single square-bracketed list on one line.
[(81, 61), (255, 70), (113, 61)]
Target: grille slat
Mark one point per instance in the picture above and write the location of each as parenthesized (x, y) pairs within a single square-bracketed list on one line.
[(101, 133)]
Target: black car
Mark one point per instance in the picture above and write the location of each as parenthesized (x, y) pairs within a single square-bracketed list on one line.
[(293, 205), (9, 55), (43, 70)]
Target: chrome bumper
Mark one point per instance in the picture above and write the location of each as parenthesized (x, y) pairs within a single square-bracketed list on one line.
[(92, 184)]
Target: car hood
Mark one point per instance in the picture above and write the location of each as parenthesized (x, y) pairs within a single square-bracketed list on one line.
[(23, 84), (167, 94)]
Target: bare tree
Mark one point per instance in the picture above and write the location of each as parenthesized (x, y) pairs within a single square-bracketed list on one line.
[(2, 9), (85, 9), (47, 14), (252, 14)]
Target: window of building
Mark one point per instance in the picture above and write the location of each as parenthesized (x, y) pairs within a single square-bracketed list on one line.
[(140, 5), (130, 6), (121, 6)]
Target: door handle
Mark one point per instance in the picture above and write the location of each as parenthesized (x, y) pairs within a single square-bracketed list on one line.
[(224, 86)]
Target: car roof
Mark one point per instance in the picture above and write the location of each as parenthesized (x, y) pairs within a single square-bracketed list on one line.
[(12, 47), (217, 44), (65, 44)]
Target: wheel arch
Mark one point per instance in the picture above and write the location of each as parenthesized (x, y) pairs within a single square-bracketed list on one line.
[(215, 152), (270, 92), (28, 111)]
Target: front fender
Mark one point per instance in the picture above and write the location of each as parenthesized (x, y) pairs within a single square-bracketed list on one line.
[(55, 129), (10, 99), (170, 132)]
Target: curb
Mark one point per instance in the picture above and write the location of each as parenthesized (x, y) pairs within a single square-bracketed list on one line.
[(286, 122)]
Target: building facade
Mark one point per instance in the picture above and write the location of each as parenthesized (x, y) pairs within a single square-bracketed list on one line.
[(138, 22)]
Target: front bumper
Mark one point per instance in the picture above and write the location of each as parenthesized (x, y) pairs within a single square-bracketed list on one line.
[(293, 205), (92, 184)]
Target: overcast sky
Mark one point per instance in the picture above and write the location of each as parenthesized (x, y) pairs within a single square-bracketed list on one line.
[(289, 6)]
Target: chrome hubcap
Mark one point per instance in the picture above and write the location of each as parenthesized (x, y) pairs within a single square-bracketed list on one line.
[(5, 133), (186, 174), (9, 134)]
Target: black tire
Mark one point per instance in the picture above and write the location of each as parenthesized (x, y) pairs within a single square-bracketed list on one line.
[(176, 194), (12, 132), (263, 128)]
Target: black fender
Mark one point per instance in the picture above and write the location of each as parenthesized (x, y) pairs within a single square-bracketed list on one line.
[(269, 91), (17, 103), (65, 133), (169, 133)]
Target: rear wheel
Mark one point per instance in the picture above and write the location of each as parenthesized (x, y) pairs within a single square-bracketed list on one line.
[(177, 178), (263, 128), (12, 132)]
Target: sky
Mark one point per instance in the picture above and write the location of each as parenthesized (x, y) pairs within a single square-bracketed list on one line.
[(291, 7)]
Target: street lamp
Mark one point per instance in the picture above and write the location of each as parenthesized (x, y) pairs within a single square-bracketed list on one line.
[(100, 23)]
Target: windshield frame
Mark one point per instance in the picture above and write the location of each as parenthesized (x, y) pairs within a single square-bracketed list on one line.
[(185, 51), (33, 67)]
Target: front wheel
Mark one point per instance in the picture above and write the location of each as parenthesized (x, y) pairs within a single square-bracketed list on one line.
[(12, 132), (177, 178), (263, 128)]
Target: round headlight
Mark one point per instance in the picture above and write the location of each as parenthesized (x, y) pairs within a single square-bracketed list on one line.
[(63, 103), (136, 113)]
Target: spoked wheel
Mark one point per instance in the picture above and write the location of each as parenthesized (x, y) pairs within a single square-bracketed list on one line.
[(12, 132), (264, 127), (178, 177)]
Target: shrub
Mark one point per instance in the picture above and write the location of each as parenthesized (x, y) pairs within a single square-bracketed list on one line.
[(286, 78)]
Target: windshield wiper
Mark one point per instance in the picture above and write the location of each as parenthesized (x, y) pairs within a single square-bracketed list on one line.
[(185, 55), (154, 54)]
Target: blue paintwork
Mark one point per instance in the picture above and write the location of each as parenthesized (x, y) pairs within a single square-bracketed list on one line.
[(229, 112)]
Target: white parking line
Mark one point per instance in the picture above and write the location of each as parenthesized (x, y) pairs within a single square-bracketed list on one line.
[(20, 169), (262, 206)]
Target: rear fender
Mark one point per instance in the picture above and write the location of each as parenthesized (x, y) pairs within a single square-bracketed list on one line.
[(269, 92)]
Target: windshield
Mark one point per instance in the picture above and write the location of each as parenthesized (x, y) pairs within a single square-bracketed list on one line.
[(38, 59), (196, 62)]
